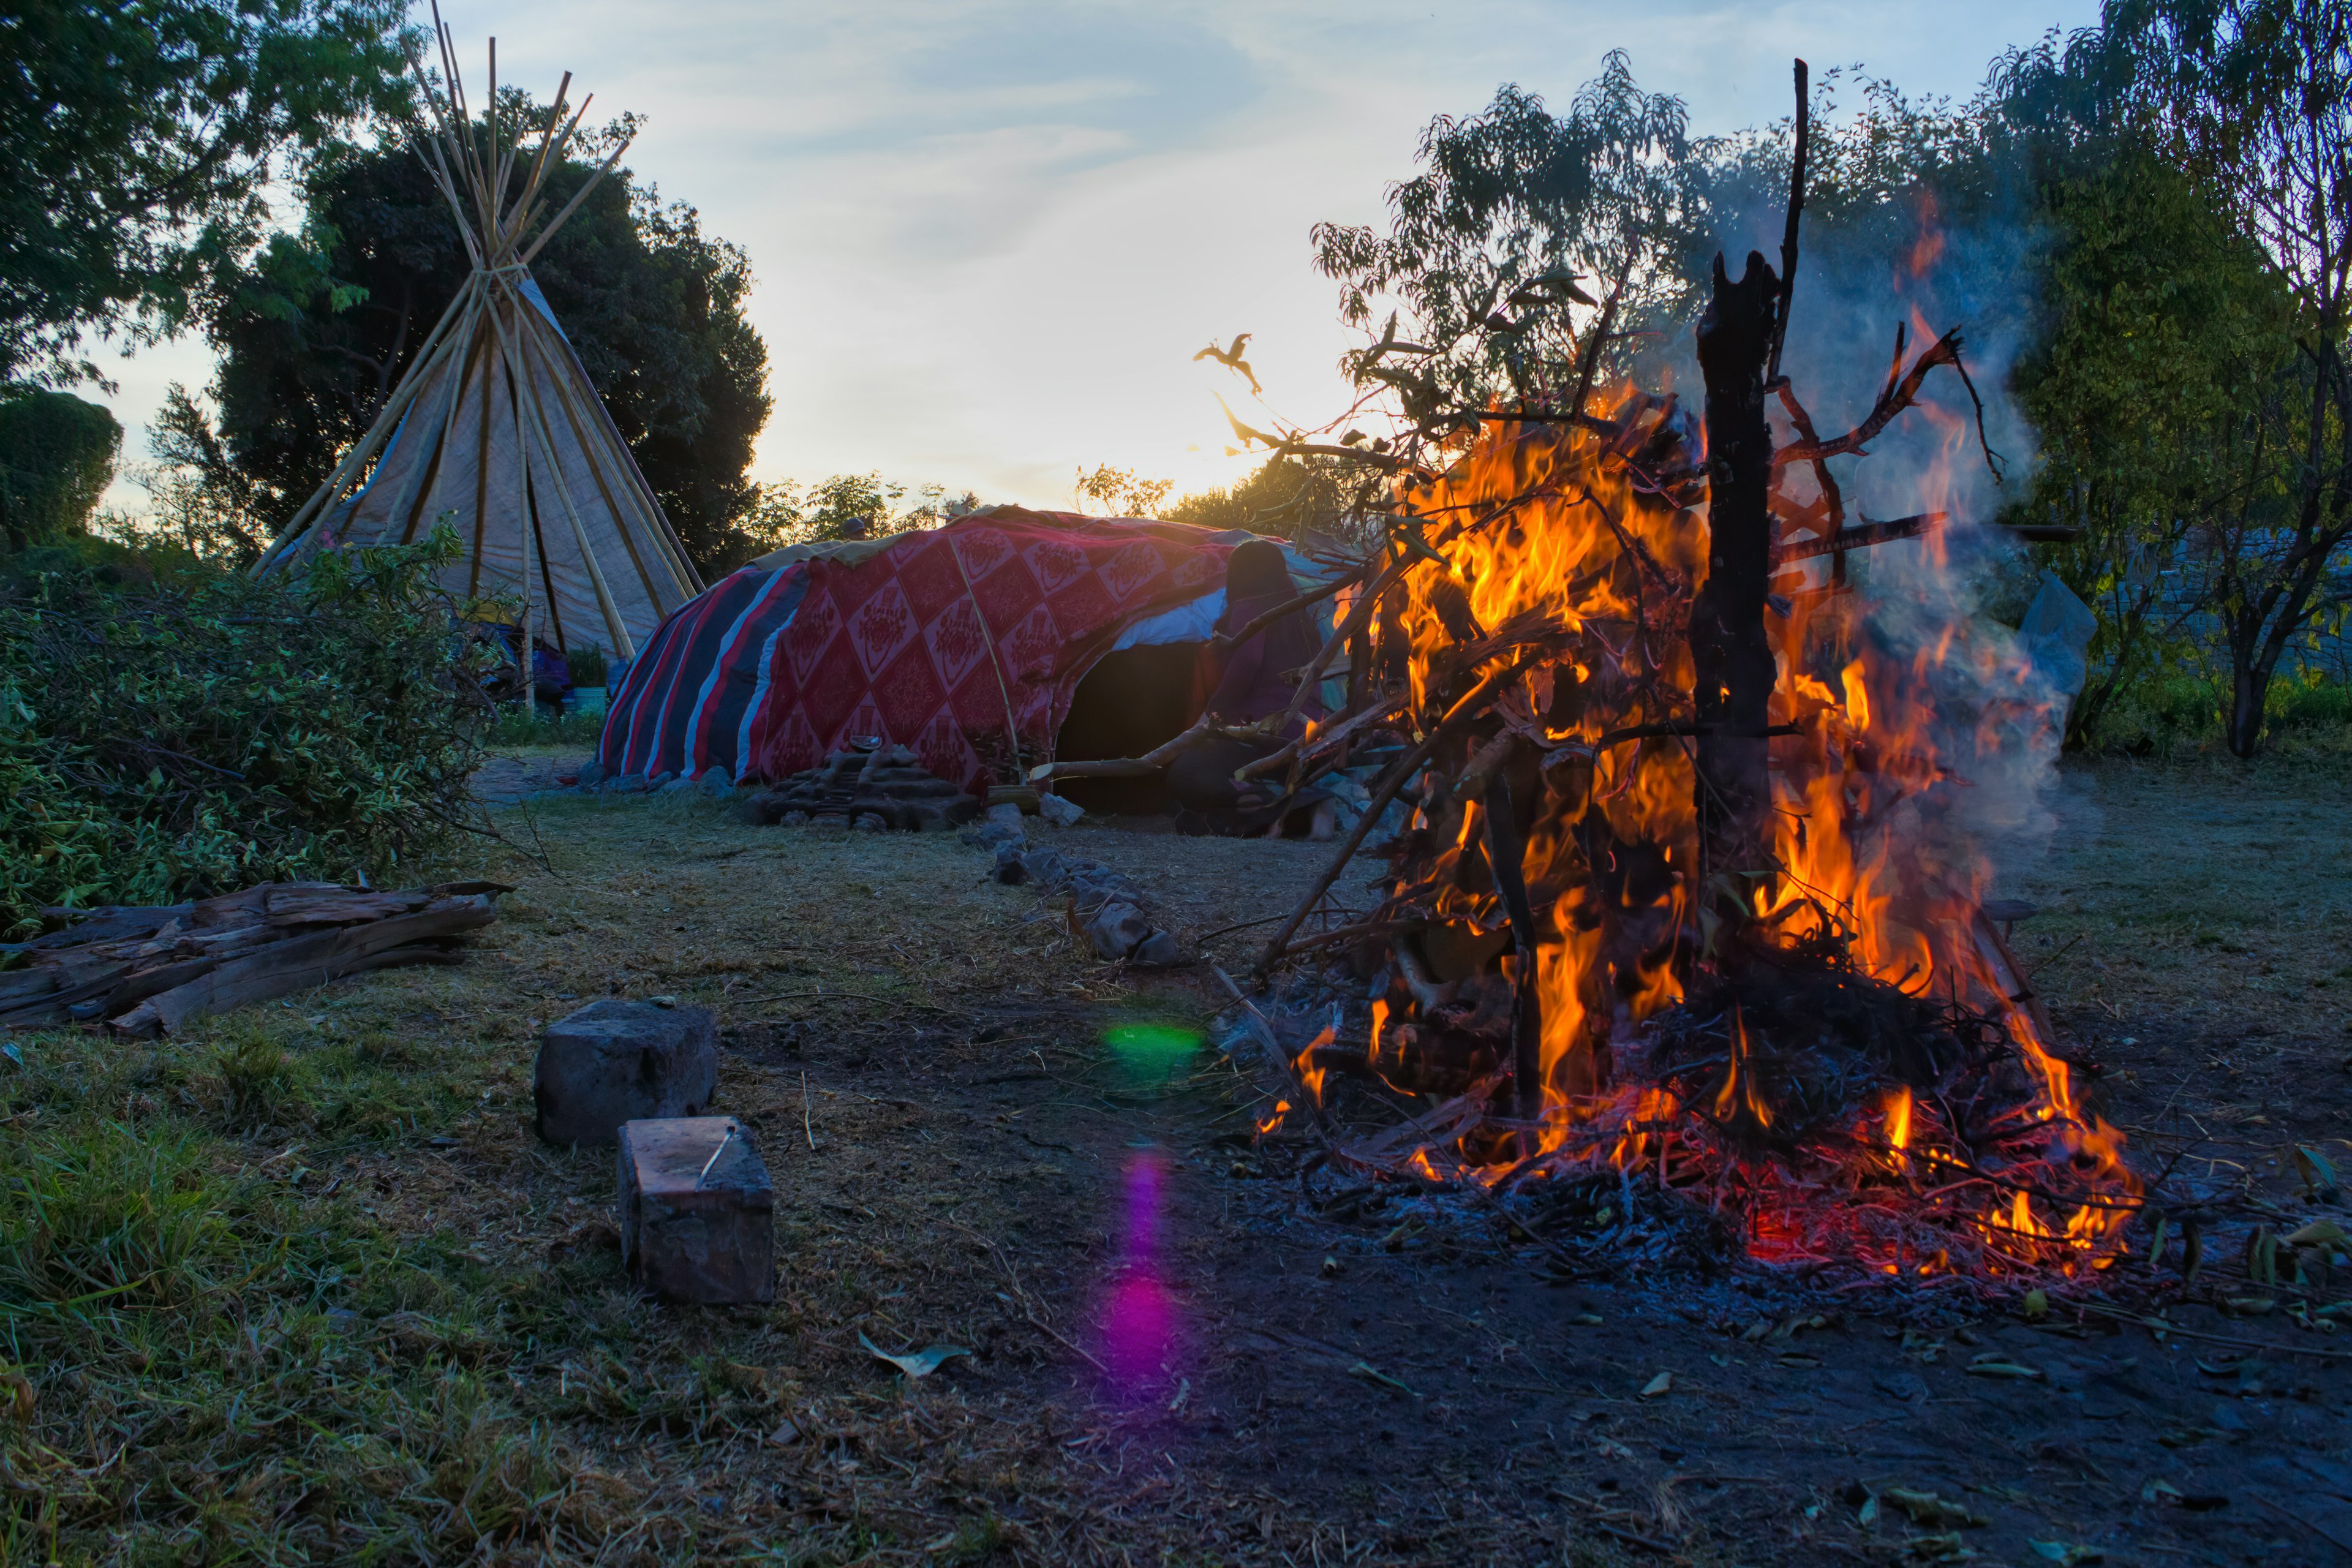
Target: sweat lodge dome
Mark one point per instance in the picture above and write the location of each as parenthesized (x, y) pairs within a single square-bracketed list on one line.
[(1005, 638), (495, 427)]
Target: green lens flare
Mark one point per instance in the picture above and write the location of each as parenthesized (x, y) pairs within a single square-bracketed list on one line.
[(1152, 1047)]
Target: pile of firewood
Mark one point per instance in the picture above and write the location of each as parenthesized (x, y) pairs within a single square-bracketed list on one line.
[(886, 784), (147, 971)]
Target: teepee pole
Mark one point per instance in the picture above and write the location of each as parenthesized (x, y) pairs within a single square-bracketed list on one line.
[(613, 622), (577, 197), (526, 503), (518, 366), (430, 143), (547, 137), (497, 189), (435, 348), (620, 506), (616, 456), (425, 469), (557, 135), (469, 156), (635, 506)]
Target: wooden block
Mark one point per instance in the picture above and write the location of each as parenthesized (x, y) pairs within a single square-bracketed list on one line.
[(698, 1212), (616, 1061)]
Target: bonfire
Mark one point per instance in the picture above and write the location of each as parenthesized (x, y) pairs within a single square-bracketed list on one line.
[(1681, 912)]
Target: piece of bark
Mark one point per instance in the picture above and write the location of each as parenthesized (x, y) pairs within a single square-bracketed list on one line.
[(137, 986), (341, 907), (26, 985), (250, 904), (108, 922), (52, 1008)]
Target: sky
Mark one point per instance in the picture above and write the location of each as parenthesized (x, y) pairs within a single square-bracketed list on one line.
[(989, 236)]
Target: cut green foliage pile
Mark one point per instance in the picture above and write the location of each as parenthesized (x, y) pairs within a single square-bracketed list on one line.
[(167, 739)]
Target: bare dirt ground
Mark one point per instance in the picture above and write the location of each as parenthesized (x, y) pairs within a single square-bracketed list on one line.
[(1213, 1368), (982, 1138)]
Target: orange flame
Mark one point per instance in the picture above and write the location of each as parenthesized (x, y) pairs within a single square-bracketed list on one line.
[(1310, 1074), (1573, 535)]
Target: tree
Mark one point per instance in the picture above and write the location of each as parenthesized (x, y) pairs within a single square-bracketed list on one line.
[(139, 137), (1122, 492), (1516, 214), (2164, 335), (844, 506), (197, 494), (2160, 333), (57, 457), (1287, 496), (2254, 99), (1518, 217), (315, 332)]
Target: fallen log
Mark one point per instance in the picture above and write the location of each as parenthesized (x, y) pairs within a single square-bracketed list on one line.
[(145, 970), (300, 963)]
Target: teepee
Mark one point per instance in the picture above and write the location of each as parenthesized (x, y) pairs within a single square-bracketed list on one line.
[(495, 428)]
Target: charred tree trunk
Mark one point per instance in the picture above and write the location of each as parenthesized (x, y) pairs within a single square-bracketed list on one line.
[(1730, 654)]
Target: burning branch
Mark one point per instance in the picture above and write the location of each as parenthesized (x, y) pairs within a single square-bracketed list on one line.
[(1716, 962), (1898, 395), (1472, 703)]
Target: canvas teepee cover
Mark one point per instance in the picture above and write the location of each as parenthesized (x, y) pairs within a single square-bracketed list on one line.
[(495, 427)]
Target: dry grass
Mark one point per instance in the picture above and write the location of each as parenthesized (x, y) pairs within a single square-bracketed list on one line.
[(301, 1286)]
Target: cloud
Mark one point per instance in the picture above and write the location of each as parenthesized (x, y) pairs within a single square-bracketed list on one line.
[(989, 236)]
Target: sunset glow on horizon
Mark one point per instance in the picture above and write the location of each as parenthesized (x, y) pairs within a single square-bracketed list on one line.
[(989, 237)]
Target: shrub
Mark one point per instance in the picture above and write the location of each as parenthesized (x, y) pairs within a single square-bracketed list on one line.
[(2177, 713), (57, 457), (164, 739), (2307, 702), (587, 663)]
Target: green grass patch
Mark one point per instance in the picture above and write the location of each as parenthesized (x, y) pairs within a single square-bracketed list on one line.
[(543, 726), (2306, 717)]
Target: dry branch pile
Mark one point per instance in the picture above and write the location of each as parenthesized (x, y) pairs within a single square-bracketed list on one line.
[(147, 971)]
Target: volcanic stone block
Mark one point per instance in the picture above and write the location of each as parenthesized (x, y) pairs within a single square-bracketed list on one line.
[(616, 1061), (1158, 950), (698, 1211), (1046, 868), (989, 833), (1117, 930)]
